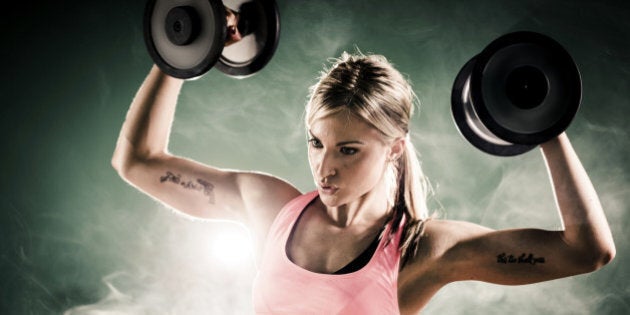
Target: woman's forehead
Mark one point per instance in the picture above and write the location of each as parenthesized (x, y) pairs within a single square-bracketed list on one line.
[(342, 125)]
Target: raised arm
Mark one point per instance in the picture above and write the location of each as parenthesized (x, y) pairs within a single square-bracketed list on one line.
[(586, 229), (465, 251), (141, 158)]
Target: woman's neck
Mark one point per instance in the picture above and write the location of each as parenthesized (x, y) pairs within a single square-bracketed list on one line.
[(367, 210)]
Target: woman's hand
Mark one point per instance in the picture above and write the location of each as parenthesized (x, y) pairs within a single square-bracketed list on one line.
[(233, 35)]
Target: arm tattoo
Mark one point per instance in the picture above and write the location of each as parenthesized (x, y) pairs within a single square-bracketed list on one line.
[(523, 259), (198, 185)]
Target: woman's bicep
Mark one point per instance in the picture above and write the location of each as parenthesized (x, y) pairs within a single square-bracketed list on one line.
[(187, 186), (203, 191), (511, 257)]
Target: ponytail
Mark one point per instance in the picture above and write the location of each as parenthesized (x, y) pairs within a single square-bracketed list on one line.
[(410, 202)]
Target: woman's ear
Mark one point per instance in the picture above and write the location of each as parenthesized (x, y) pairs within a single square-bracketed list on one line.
[(397, 149)]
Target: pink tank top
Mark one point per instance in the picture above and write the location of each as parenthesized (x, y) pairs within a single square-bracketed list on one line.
[(282, 287)]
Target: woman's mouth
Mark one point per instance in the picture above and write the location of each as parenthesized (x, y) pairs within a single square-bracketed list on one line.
[(327, 189)]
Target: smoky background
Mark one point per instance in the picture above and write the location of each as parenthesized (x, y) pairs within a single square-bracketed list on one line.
[(76, 239)]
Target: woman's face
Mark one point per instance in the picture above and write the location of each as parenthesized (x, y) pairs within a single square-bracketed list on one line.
[(348, 158)]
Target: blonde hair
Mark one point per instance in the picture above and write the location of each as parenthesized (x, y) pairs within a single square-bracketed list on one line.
[(370, 88)]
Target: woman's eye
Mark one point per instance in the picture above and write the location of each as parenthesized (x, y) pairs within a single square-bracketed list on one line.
[(315, 143), (348, 151)]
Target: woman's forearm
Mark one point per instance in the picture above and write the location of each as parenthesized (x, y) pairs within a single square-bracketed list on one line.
[(146, 129), (585, 226)]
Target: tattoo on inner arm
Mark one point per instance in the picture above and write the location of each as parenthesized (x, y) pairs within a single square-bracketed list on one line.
[(503, 258), (198, 185)]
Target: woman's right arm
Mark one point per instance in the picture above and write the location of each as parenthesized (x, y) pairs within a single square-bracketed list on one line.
[(141, 158)]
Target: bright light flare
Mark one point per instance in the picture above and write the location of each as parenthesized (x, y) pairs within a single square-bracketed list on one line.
[(231, 247)]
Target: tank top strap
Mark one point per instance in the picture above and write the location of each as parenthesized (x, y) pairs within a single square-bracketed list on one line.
[(287, 216)]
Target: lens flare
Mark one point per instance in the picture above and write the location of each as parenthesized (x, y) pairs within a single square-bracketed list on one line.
[(231, 248)]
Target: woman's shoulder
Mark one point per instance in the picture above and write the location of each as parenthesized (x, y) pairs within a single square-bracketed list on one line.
[(266, 189), (264, 195)]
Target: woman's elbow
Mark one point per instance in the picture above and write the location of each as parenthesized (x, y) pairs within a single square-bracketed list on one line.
[(118, 164), (604, 249), (123, 158), (597, 257), (605, 255)]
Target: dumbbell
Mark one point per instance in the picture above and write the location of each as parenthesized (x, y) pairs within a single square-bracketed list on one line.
[(186, 38), (522, 90)]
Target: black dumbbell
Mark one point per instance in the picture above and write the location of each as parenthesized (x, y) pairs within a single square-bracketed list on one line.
[(520, 91), (186, 38)]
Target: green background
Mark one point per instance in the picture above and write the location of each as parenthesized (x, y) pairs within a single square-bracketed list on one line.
[(73, 233)]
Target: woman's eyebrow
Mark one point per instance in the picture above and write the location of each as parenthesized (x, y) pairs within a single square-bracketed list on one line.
[(310, 134), (350, 142), (339, 144)]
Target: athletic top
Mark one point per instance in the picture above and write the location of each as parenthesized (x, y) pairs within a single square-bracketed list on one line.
[(282, 287)]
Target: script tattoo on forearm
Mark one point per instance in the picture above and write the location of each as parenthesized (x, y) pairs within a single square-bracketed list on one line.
[(198, 185), (522, 259)]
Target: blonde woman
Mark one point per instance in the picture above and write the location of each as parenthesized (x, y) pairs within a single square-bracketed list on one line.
[(362, 242)]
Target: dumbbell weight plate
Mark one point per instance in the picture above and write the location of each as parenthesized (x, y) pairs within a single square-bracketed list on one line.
[(254, 51), (550, 88), (468, 123), (165, 20), (520, 91)]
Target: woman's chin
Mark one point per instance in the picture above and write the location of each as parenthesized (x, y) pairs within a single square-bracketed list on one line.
[(329, 200)]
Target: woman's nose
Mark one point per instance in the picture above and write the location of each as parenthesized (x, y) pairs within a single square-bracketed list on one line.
[(327, 166)]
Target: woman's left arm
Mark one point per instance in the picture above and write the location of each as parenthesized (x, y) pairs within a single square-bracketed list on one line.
[(586, 230), (465, 251)]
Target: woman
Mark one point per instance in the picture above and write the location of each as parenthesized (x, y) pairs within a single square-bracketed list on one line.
[(363, 242)]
